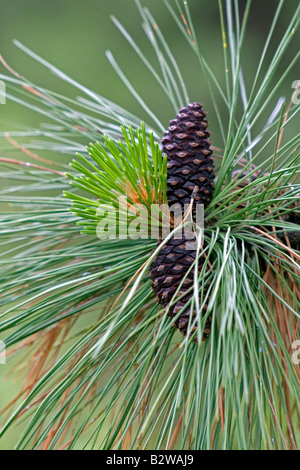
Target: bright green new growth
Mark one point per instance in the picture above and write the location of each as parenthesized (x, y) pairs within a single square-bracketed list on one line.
[(126, 171), (104, 365)]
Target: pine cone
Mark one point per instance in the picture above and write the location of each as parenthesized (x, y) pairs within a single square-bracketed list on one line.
[(190, 174), (187, 146), (241, 174), (293, 236), (167, 272)]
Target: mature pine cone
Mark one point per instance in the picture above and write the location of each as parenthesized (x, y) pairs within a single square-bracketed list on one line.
[(167, 272), (294, 235), (241, 174), (187, 146), (190, 175)]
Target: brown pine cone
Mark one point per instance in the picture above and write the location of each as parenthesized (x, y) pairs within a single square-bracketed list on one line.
[(293, 235), (190, 172), (241, 174), (167, 272), (187, 146)]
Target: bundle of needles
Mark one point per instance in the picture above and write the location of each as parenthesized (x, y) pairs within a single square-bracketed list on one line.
[(190, 172)]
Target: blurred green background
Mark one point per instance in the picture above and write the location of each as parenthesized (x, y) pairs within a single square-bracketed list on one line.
[(74, 35)]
